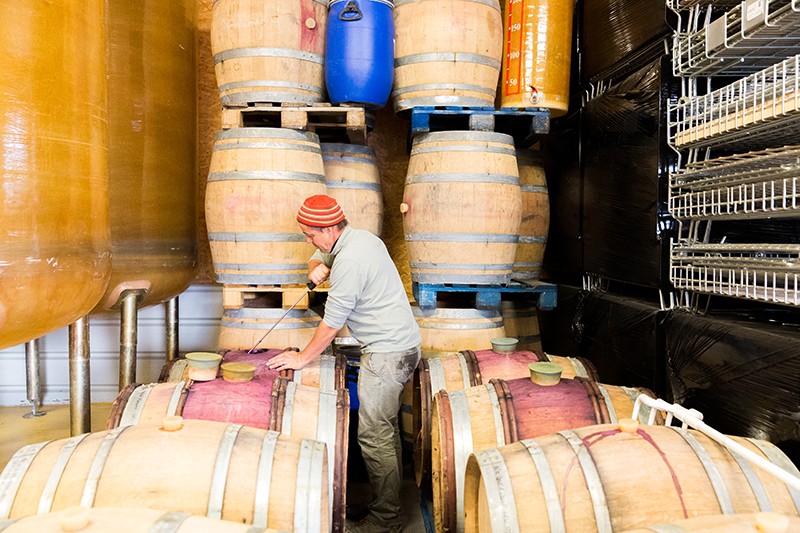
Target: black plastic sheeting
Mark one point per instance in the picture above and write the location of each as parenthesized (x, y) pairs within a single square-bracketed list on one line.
[(563, 254), (770, 231), (620, 335), (739, 367), (742, 374), (618, 34), (626, 222)]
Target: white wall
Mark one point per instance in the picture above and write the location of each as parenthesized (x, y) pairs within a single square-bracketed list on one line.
[(200, 309)]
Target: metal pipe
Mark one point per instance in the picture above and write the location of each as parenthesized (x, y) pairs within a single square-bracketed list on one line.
[(128, 336), (80, 420), (171, 309), (32, 378)]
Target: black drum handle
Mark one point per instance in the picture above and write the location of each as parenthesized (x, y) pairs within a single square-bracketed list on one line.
[(350, 12)]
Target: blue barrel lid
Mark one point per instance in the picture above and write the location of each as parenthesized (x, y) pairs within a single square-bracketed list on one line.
[(387, 2)]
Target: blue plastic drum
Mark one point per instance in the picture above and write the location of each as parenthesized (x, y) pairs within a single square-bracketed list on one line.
[(359, 52)]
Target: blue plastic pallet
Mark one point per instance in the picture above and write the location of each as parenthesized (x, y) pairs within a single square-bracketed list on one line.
[(486, 296), (519, 121)]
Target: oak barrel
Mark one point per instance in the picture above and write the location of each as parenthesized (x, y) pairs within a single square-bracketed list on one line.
[(266, 402), (308, 412), (122, 520), (351, 175), (535, 216), (463, 207), (258, 178), (327, 372), (464, 370), (505, 411), (445, 330), (213, 469), (269, 51), (765, 522), (242, 328), (522, 323), (447, 52), (606, 479)]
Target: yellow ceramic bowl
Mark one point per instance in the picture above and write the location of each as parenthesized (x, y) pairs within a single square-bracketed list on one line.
[(504, 344), (237, 372), (545, 373), (203, 366)]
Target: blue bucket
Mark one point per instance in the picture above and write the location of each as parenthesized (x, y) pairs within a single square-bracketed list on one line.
[(359, 52)]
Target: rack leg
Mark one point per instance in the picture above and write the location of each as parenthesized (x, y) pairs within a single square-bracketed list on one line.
[(79, 382)]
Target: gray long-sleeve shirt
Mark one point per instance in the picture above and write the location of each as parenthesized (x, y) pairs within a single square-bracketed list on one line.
[(367, 294)]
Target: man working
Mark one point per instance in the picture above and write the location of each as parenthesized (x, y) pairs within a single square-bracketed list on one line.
[(366, 294)]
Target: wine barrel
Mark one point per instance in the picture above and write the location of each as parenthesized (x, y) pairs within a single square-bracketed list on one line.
[(326, 372), (453, 63), (257, 180), (266, 402), (537, 55), (307, 412), (351, 175), (535, 216), (359, 52), (607, 479), (464, 370), (463, 207), (242, 328), (522, 323), (505, 411), (269, 51), (445, 331), (152, 175), (122, 520), (54, 170), (213, 469), (765, 522)]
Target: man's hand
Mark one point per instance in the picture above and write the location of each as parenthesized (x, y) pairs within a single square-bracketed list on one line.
[(288, 360), (319, 273)]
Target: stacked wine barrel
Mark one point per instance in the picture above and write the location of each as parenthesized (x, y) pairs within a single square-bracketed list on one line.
[(270, 56)]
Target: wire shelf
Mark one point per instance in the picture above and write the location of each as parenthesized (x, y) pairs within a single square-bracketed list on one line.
[(752, 185), (763, 108), (749, 37), (764, 272), (682, 5)]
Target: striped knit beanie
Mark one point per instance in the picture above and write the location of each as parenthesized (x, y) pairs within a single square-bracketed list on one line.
[(320, 211)]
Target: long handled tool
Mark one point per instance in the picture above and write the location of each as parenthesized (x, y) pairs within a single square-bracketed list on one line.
[(311, 286)]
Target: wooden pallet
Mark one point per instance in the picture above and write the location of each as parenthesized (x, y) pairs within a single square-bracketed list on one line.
[(524, 124), (486, 296), (331, 123), (234, 296)]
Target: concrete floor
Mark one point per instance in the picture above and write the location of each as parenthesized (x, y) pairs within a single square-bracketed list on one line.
[(16, 431)]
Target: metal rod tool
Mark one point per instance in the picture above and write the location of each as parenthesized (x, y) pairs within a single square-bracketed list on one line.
[(311, 286)]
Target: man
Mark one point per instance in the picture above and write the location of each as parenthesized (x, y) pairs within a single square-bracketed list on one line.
[(366, 294)]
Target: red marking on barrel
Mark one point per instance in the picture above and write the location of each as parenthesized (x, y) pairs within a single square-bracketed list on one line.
[(309, 38), (588, 443)]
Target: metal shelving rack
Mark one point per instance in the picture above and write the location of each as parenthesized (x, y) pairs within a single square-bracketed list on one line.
[(745, 39), (757, 117), (763, 108), (683, 5)]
